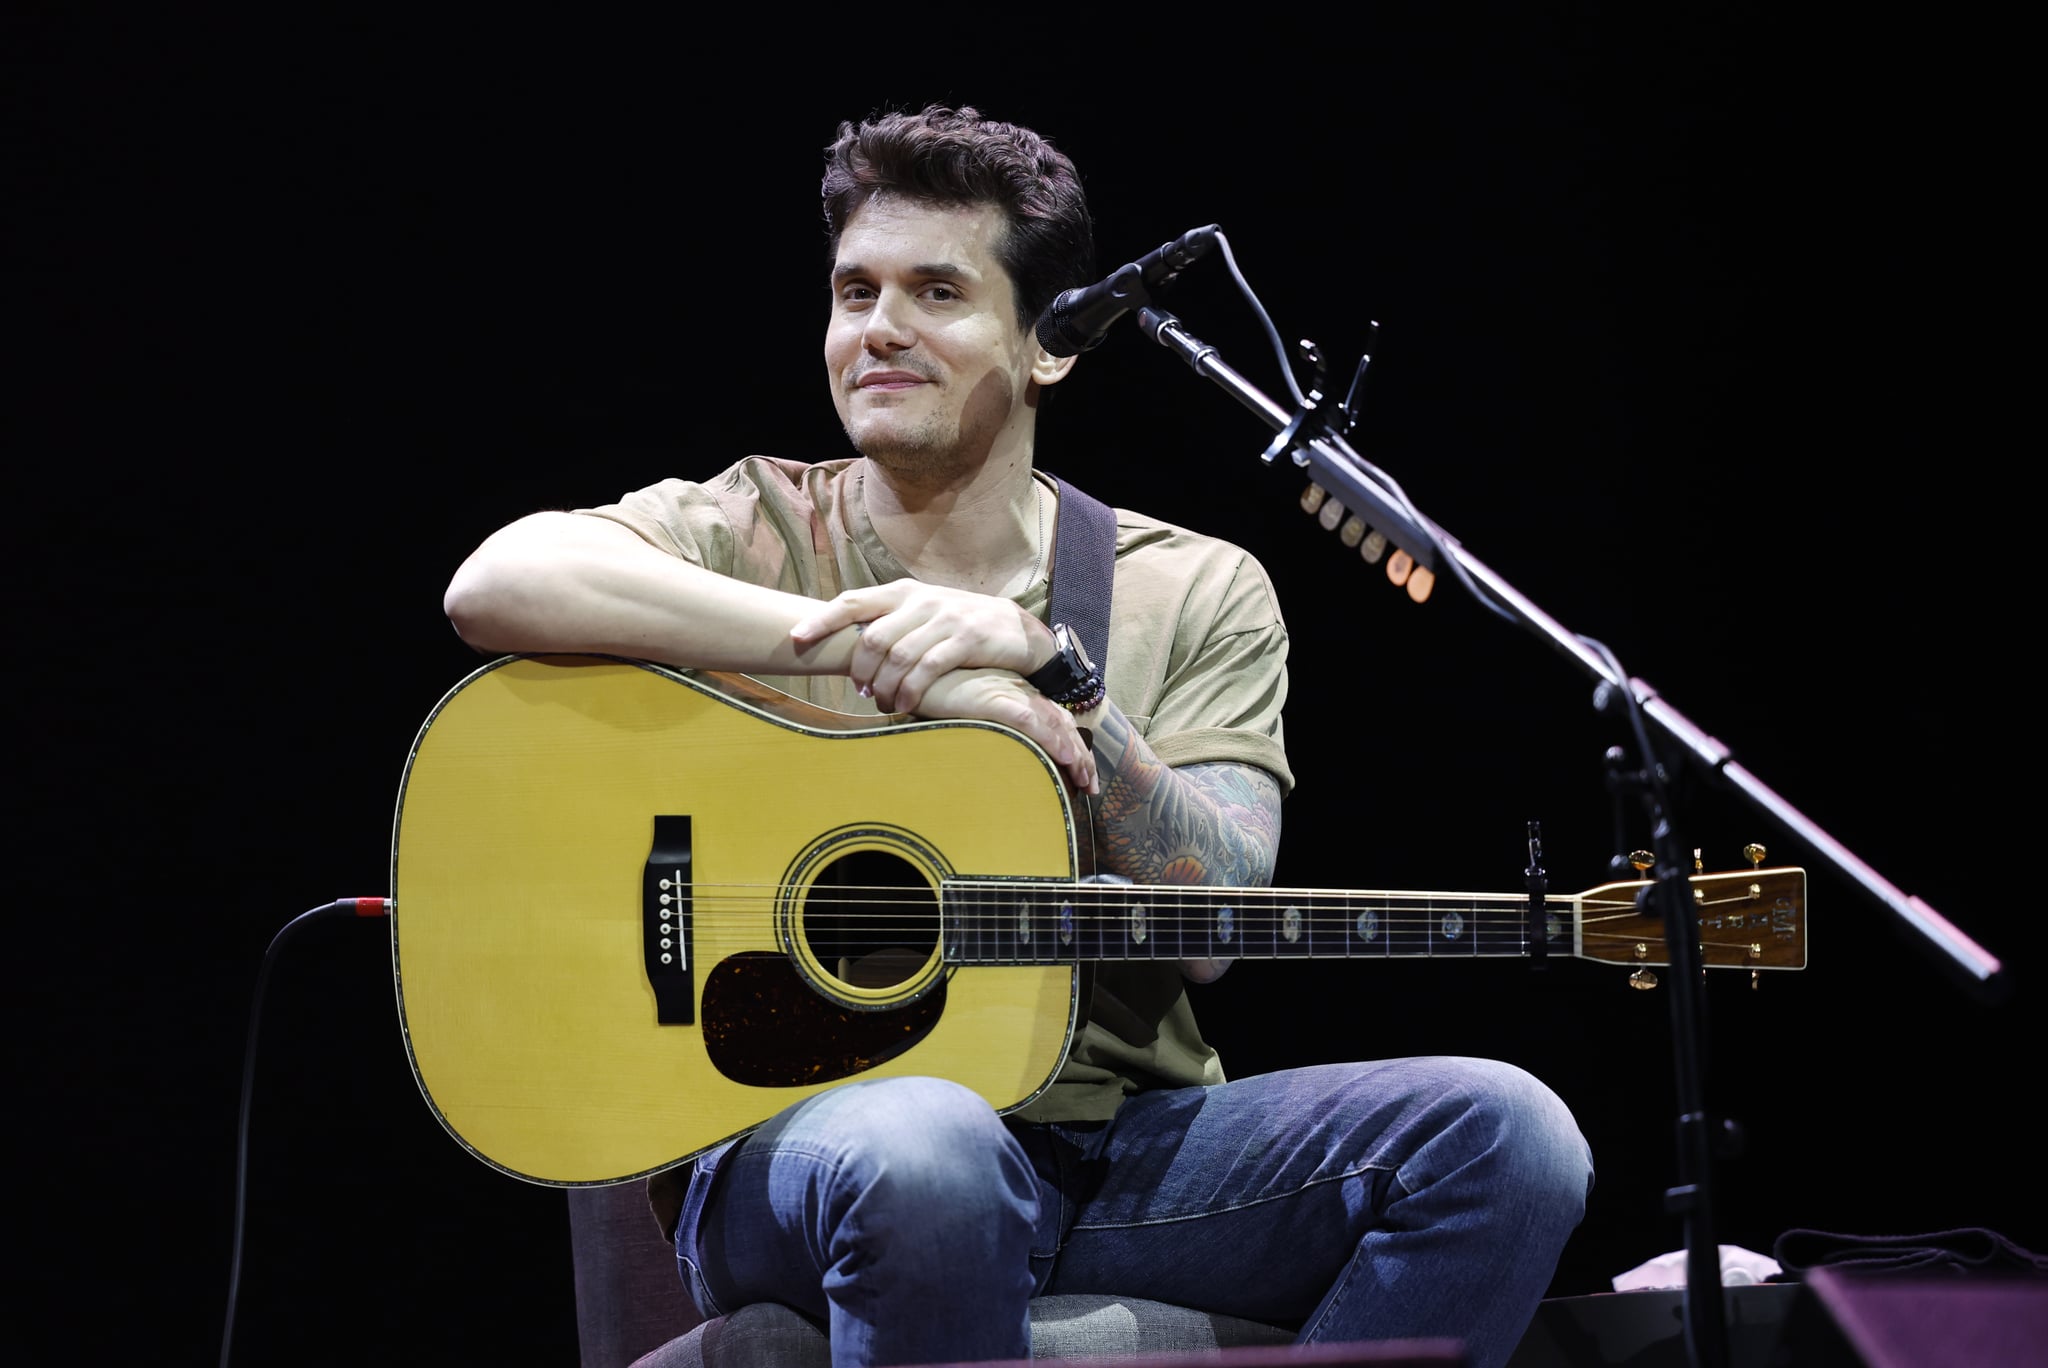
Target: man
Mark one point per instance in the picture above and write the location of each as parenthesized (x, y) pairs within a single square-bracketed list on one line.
[(1403, 1198)]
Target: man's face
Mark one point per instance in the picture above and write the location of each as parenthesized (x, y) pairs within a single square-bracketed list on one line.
[(930, 371)]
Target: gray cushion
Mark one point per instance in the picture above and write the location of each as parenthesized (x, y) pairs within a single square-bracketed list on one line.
[(771, 1336), (631, 1308)]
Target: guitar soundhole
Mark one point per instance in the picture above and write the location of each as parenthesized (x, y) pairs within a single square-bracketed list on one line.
[(871, 919)]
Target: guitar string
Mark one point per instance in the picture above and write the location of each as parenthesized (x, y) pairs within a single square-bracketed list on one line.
[(1088, 899), (1122, 897), (1111, 891), (1394, 918), (1397, 919)]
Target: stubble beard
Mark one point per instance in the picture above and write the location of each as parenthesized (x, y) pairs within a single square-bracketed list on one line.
[(940, 445), (920, 451)]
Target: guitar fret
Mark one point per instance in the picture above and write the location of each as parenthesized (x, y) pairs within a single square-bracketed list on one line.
[(1295, 927), (1266, 933), (1025, 925), (1134, 933), (1169, 933), (1221, 932), (1362, 926), (1498, 928), (988, 930), (1090, 916), (1021, 925), (1050, 948), (958, 911), (1248, 928), (1453, 927)]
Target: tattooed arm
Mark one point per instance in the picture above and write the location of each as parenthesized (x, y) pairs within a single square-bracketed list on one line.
[(1199, 824)]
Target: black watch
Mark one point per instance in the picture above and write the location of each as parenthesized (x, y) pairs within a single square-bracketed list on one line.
[(1070, 678)]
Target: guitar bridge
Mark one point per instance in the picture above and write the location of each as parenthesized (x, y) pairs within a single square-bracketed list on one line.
[(666, 926)]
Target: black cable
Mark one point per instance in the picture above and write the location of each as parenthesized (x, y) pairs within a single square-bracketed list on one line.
[(351, 907)]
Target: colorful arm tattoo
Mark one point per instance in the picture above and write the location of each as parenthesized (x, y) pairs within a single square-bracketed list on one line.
[(1199, 824)]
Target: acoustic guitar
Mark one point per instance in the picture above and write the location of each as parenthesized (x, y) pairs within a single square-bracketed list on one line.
[(639, 911)]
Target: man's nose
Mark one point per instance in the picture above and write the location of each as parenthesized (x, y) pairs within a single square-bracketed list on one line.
[(891, 323)]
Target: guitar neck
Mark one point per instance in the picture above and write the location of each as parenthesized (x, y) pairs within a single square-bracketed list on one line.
[(1026, 921)]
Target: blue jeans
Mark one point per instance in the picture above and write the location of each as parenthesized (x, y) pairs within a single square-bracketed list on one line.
[(1397, 1199)]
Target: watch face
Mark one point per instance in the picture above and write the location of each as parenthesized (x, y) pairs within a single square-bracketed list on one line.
[(1072, 645), (1069, 666)]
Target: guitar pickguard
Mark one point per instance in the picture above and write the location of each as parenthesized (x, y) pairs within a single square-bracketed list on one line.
[(766, 1027)]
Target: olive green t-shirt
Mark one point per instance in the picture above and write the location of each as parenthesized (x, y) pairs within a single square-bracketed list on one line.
[(1197, 662)]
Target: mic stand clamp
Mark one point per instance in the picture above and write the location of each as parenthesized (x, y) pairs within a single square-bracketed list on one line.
[(1667, 896), (1310, 416), (1536, 926)]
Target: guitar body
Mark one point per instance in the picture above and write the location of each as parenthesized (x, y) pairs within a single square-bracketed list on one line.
[(560, 816)]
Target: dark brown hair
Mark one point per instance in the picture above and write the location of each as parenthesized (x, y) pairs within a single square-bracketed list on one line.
[(949, 156)]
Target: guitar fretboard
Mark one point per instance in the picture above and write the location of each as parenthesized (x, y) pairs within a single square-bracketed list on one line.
[(1023, 921)]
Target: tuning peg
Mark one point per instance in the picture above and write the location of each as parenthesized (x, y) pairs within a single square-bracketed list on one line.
[(1642, 860), (1643, 979), (1754, 853), (1312, 497)]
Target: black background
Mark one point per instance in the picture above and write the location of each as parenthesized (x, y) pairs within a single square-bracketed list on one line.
[(1701, 332)]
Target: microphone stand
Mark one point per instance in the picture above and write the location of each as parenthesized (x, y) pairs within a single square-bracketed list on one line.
[(1311, 435)]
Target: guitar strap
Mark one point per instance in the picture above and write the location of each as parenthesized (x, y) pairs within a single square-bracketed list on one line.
[(1084, 570), (1083, 573)]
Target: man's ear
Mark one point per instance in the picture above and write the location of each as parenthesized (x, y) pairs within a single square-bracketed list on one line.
[(1048, 369)]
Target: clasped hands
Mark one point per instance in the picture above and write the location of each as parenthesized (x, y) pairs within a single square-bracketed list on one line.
[(939, 652)]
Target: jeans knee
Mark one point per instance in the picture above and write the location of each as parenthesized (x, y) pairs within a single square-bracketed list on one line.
[(1539, 1140), (938, 1150)]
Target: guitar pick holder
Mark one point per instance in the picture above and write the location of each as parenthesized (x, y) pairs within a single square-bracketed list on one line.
[(1310, 435)]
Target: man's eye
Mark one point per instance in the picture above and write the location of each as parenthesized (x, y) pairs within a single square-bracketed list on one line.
[(945, 294)]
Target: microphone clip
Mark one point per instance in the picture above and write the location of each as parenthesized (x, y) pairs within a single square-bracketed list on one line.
[(1312, 420)]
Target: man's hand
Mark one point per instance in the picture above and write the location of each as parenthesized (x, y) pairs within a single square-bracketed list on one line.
[(941, 652), (912, 633), (1000, 696)]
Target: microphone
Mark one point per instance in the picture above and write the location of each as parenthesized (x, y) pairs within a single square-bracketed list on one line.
[(1079, 319)]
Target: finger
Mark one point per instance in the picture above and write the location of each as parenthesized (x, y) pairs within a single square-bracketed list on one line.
[(870, 652), (847, 609), (915, 661), (830, 618), (1082, 771), (1053, 728)]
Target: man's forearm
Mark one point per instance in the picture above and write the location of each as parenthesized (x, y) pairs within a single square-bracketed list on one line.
[(567, 582), (1199, 824)]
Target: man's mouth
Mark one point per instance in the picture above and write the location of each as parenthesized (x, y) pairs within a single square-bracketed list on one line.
[(888, 379)]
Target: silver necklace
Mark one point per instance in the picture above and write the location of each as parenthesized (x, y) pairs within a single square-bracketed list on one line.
[(1039, 566)]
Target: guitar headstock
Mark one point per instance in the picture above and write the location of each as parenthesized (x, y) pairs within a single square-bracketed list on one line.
[(1748, 919)]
